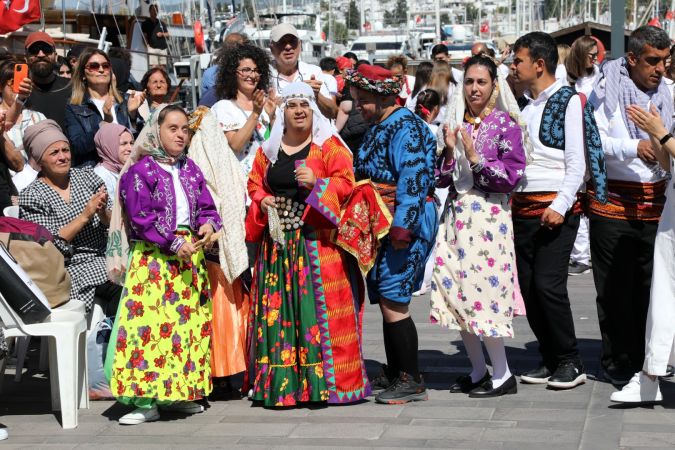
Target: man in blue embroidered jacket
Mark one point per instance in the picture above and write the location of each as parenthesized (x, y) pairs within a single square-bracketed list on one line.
[(398, 155), (545, 220)]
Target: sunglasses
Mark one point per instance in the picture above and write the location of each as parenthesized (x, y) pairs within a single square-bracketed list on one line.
[(95, 66), (286, 40), (593, 56), (38, 47)]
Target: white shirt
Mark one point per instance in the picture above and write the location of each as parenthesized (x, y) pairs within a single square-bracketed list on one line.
[(561, 73), (411, 101), (182, 205), (621, 158), (585, 85), (98, 102), (109, 178), (231, 117), (553, 170), (304, 73), (407, 87), (331, 84)]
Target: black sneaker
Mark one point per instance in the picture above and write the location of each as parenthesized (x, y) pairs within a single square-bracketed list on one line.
[(568, 375), (617, 376), (577, 268), (383, 380), (670, 370), (540, 375), (405, 389)]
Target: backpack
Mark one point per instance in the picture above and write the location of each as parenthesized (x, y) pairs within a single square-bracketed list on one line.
[(552, 134), (31, 246)]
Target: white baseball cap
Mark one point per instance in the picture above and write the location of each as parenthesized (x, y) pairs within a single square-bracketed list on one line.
[(281, 30)]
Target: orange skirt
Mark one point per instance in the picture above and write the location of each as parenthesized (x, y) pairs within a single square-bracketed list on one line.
[(230, 315)]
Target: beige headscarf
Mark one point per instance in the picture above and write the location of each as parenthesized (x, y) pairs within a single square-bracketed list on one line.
[(36, 138), (210, 150), (117, 252)]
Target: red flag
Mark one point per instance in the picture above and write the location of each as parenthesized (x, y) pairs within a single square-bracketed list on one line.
[(485, 28), (16, 13), (670, 15), (654, 22)]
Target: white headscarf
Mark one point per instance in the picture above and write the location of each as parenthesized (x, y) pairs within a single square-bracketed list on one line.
[(322, 129), (463, 175)]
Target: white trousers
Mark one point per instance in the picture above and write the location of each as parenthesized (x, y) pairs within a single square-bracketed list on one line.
[(442, 194), (581, 252), (660, 336)]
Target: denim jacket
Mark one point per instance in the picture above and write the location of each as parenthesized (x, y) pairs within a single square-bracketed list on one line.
[(82, 122)]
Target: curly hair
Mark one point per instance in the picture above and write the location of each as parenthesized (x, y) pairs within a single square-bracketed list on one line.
[(227, 73)]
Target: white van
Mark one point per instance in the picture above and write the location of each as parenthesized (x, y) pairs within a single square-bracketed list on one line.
[(380, 47)]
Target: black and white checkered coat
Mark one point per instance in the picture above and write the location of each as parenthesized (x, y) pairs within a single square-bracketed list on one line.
[(85, 254)]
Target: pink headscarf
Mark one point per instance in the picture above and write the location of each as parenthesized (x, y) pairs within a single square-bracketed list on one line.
[(107, 140)]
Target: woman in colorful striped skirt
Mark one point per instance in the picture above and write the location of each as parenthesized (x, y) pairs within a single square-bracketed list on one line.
[(306, 292), (162, 347)]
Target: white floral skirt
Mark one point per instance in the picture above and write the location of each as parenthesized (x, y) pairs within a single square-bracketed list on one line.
[(474, 286)]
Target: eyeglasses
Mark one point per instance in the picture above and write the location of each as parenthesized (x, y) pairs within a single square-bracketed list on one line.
[(95, 66), (248, 72), (593, 56), (38, 47)]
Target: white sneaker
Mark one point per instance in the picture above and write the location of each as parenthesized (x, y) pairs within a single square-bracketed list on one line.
[(3, 434), (140, 415), (639, 389), (184, 407)]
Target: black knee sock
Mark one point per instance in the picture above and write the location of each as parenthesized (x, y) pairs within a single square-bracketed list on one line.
[(403, 335), (389, 351)]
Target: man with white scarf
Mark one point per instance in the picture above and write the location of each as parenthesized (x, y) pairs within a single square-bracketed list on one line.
[(622, 232)]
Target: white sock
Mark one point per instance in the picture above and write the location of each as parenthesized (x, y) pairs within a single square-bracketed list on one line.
[(500, 367), (475, 352)]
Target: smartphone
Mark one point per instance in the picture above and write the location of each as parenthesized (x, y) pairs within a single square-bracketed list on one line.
[(20, 73)]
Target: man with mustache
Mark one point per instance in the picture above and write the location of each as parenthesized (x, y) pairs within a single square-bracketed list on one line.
[(51, 93), (287, 68), (622, 232)]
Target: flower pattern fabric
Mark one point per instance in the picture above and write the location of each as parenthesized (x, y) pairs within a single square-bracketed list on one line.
[(163, 329), (474, 287)]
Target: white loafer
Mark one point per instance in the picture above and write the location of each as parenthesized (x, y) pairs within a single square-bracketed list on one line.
[(140, 415), (184, 407), (640, 389), (3, 434)]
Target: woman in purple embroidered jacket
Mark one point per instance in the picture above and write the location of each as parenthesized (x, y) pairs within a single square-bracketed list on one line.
[(474, 286), (162, 355)]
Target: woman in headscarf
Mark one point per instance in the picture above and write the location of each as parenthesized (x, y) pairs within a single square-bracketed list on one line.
[(474, 287), (74, 206), (163, 325), (306, 329), (228, 260), (114, 144)]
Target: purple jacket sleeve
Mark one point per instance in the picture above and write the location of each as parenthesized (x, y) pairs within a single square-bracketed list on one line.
[(136, 192), (502, 174), (443, 173), (206, 207)]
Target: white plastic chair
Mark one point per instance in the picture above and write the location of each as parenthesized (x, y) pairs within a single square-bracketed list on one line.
[(67, 357)]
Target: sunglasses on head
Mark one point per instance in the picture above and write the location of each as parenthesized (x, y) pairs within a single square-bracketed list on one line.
[(94, 66), (38, 47)]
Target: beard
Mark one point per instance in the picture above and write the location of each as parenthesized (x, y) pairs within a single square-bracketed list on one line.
[(42, 68)]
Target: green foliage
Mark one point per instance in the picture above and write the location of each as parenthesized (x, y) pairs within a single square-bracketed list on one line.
[(340, 32), (398, 16), (353, 16)]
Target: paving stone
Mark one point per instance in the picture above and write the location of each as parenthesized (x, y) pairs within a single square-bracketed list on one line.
[(531, 436), (446, 412), (247, 429), (539, 414), (434, 432), (338, 430), (647, 439)]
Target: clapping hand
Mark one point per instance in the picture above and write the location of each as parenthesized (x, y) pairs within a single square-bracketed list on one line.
[(469, 149), (135, 100), (96, 204), (271, 103), (649, 122), (450, 139), (259, 101), (107, 108)]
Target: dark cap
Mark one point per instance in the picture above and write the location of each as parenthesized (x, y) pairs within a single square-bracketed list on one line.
[(38, 36)]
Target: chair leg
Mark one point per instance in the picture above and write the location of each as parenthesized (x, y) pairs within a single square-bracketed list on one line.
[(66, 360), (54, 374), (82, 372), (21, 350), (44, 354)]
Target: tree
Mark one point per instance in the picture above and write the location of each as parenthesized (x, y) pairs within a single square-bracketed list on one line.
[(398, 16), (340, 32), (248, 9), (353, 16)]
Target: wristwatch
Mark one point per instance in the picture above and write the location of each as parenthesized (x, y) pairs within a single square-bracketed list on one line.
[(665, 138)]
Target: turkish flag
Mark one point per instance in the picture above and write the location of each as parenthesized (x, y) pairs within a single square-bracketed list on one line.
[(16, 13), (654, 22), (485, 28)]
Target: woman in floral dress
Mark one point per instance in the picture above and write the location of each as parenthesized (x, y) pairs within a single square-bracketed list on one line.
[(162, 347), (474, 287), (306, 334)]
